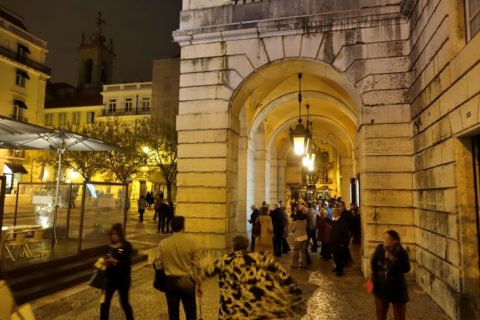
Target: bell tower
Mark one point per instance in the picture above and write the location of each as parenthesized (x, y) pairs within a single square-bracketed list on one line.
[(95, 60)]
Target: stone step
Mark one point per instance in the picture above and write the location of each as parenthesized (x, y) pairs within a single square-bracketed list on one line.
[(39, 280)]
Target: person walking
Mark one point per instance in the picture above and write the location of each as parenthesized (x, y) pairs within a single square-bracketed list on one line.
[(171, 214), (278, 229), (339, 239), (253, 219), (118, 262), (178, 256), (286, 230), (324, 231), (263, 242), (300, 239), (389, 264), (156, 206), (142, 204), (163, 213), (149, 199), (253, 286)]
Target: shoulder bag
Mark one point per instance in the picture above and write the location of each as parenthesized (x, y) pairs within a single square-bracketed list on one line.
[(159, 281)]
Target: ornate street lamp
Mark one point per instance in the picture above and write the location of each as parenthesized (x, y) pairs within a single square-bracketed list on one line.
[(299, 135), (309, 157)]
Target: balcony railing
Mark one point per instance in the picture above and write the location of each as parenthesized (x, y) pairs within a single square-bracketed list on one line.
[(108, 113), (26, 61), (22, 33)]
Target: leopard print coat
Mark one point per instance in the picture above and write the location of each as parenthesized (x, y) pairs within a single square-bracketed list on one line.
[(254, 286)]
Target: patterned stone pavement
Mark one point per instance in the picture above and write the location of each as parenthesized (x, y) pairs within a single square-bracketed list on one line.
[(328, 297)]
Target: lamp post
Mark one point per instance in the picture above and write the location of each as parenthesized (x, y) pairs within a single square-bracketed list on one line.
[(299, 134)]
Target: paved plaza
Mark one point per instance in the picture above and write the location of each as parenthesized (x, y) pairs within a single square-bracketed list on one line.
[(329, 297)]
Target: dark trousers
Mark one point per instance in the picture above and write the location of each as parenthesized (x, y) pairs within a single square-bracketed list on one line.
[(167, 224), (277, 246), (161, 223), (180, 289), (399, 310), (325, 251), (339, 259), (285, 246), (252, 243), (141, 212), (312, 235), (123, 294)]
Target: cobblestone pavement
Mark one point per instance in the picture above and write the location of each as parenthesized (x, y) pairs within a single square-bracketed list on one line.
[(329, 297)]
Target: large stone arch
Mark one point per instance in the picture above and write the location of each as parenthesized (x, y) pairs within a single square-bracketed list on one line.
[(224, 74), (278, 96)]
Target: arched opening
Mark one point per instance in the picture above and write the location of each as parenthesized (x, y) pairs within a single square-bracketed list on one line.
[(266, 106)]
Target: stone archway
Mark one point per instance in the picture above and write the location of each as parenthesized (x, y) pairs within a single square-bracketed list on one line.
[(230, 81), (267, 111)]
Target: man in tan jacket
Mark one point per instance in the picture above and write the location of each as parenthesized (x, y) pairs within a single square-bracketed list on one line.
[(178, 256)]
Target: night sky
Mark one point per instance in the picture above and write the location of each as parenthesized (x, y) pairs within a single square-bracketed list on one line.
[(141, 31)]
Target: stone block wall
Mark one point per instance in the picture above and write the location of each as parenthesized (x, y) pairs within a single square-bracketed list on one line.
[(444, 104), (413, 77), (374, 61)]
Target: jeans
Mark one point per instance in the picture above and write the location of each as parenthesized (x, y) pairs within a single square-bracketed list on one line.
[(123, 289), (181, 289), (299, 251)]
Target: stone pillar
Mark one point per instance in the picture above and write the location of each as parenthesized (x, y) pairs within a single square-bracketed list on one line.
[(347, 173), (207, 163), (243, 198), (260, 184), (386, 185), (282, 180), (274, 181)]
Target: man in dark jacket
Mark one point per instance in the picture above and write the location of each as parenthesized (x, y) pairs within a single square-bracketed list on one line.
[(163, 214), (348, 219), (278, 229), (339, 238), (253, 218)]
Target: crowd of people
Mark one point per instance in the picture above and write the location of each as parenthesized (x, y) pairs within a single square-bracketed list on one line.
[(323, 224), (164, 210), (252, 283)]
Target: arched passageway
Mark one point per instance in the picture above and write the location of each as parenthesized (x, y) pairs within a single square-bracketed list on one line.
[(266, 105)]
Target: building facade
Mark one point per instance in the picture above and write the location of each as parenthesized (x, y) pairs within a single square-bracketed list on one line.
[(165, 86), (23, 77), (393, 88)]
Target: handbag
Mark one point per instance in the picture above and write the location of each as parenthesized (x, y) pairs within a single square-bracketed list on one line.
[(369, 285), (159, 281), (301, 238), (98, 279), (257, 228)]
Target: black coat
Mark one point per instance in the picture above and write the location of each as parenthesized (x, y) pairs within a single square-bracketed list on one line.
[(254, 216), (120, 273), (388, 277), (339, 234), (278, 222)]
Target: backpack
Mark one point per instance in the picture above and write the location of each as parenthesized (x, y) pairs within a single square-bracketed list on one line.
[(257, 228)]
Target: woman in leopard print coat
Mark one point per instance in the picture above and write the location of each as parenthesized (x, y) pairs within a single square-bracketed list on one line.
[(254, 286)]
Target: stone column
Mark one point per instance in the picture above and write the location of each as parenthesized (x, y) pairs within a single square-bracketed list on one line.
[(282, 180), (347, 173), (260, 157), (274, 180)]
